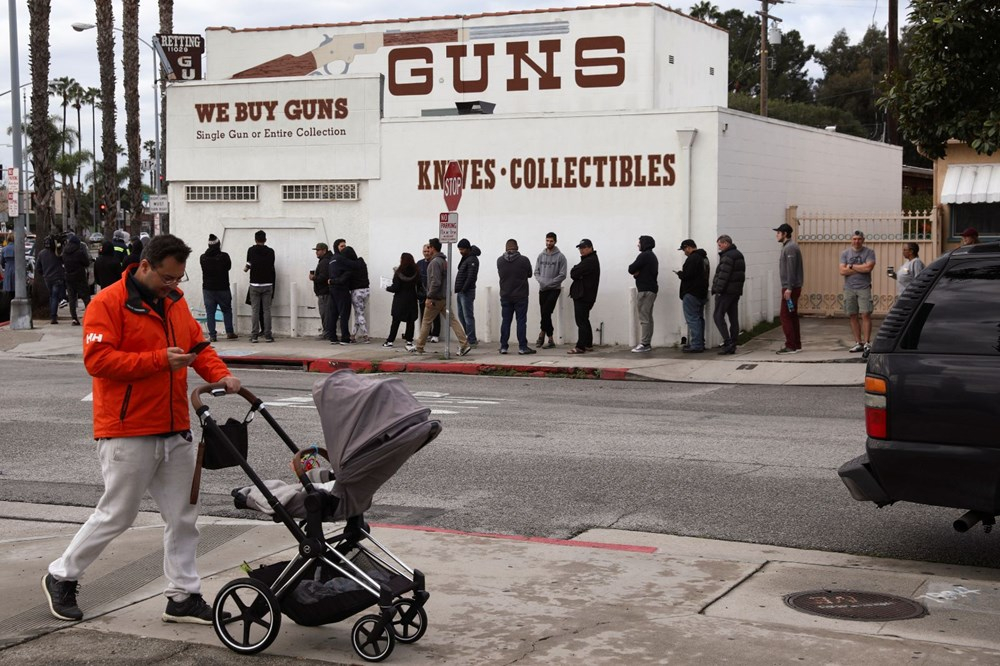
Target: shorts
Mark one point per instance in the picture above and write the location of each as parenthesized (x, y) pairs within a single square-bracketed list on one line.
[(858, 300)]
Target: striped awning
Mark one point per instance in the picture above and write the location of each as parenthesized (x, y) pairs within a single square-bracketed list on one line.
[(971, 183)]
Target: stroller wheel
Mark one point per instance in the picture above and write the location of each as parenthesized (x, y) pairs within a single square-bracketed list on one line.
[(409, 622), (255, 617), (370, 642)]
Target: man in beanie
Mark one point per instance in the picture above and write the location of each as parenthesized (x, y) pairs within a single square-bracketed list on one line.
[(215, 265), (514, 270), (260, 264), (645, 270), (465, 288), (321, 287)]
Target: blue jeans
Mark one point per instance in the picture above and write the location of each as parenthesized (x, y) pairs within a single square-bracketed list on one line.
[(508, 310), (223, 300), (466, 313), (694, 315), (57, 292)]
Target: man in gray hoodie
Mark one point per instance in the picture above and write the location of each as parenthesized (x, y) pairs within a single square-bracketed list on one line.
[(437, 272), (514, 270), (550, 271)]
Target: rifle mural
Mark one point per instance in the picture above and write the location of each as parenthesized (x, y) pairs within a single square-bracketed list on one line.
[(344, 48)]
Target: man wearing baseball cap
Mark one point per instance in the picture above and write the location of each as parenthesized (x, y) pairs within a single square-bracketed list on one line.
[(586, 277), (321, 287), (694, 294), (970, 236), (791, 275)]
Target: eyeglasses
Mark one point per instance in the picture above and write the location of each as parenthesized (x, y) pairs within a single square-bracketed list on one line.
[(170, 279)]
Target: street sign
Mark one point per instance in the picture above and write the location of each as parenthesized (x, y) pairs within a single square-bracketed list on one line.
[(453, 186), (158, 203), (13, 188), (448, 227), (146, 165)]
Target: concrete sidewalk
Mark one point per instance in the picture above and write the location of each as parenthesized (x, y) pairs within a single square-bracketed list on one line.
[(824, 361), (606, 597)]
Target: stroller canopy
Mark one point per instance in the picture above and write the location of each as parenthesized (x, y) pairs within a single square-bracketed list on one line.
[(371, 427)]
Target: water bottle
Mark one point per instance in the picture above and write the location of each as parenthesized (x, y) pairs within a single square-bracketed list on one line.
[(790, 304)]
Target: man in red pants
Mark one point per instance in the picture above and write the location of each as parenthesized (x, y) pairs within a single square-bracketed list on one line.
[(790, 271)]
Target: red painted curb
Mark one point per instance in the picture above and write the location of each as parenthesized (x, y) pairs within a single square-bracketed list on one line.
[(332, 365), (445, 368), (514, 537)]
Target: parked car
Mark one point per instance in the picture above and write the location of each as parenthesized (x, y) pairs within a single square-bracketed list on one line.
[(95, 237), (931, 408)]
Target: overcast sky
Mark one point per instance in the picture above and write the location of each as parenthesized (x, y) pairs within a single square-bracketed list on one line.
[(74, 53)]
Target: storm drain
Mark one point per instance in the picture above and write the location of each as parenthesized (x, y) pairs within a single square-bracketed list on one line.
[(856, 605)]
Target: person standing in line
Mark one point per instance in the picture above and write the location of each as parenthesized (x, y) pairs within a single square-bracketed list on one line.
[(335, 305), (434, 304), (514, 270), (970, 236), (260, 264), (50, 266), (645, 269), (76, 260), (135, 342), (341, 268), (856, 265), (909, 269), (319, 277), (694, 294), (727, 287), (465, 288), (791, 274), (405, 279), (360, 290), (107, 268), (120, 242), (550, 272), (7, 256), (586, 277), (428, 254), (215, 266), (134, 253)]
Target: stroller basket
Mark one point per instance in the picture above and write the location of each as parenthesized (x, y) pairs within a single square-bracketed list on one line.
[(329, 597)]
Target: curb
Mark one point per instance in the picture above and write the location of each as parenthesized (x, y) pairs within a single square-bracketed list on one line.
[(328, 365)]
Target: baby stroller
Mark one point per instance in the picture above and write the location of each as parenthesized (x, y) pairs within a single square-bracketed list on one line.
[(371, 427)]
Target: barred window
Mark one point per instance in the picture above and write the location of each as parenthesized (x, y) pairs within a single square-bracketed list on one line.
[(220, 192), (320, 192)]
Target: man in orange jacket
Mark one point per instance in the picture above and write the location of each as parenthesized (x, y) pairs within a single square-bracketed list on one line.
[(136, 338)]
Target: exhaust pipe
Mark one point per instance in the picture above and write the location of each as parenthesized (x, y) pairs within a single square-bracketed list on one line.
[(972, 518)]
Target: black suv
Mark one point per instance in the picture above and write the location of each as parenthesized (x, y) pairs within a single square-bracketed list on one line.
[(932, 393)]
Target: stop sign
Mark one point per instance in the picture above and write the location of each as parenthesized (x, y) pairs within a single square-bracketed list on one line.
[(452, 186)]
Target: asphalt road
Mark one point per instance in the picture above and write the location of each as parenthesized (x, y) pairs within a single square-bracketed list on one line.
[(544, 457)]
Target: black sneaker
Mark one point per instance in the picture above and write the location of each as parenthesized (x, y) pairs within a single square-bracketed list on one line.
[(192, 610), (61, 595)]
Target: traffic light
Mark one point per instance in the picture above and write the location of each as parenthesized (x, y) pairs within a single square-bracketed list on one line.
[(104, 209)]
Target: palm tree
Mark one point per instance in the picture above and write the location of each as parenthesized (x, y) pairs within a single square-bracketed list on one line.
[(77, 94), (705, 11), (62, 87), (106, 62), (39, 56), (166, 28), (91, 97), (130, 76), (149, 145)]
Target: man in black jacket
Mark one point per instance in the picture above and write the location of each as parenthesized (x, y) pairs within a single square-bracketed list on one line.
[(586, 277), (321, 288), (465, 288), (694, 294), (514, 270), (215, 265), (645, 270), (76, 260), (260, 264), (727, 287)]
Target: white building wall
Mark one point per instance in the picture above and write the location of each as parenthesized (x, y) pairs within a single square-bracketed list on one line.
[(766, 165)]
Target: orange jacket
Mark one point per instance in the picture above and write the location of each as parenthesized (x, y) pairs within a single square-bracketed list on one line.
[(125, 351)]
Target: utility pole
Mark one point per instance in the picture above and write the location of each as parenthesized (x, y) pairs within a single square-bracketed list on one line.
[(892, 129), (764, 18)]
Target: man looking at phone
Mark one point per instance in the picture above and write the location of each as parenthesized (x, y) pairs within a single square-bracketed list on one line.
[(136, 338)]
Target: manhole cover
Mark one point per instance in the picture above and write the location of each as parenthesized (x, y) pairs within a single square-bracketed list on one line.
[(855, 605)]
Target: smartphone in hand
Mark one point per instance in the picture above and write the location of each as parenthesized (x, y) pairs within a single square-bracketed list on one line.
[(198, 348)]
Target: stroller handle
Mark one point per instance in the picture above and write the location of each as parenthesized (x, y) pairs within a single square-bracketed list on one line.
[(219, 389)]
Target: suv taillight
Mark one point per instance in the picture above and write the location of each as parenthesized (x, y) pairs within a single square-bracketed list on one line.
[(875, 408)]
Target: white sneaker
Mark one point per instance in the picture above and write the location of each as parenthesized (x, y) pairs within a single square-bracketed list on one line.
[(857, 348), (638, 349), (386, 344), (410, 346), (433, 338)]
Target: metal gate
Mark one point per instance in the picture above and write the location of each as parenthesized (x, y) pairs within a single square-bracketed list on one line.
[(822, 237)]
